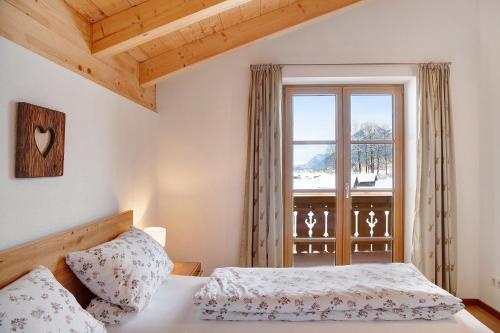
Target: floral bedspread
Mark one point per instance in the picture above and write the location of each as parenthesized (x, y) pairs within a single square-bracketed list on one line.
[(354, 292)]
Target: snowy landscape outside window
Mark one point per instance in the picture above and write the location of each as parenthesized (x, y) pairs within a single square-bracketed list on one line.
[(314, 157)]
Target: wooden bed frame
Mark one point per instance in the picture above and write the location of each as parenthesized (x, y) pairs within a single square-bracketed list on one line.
[(51, 252)]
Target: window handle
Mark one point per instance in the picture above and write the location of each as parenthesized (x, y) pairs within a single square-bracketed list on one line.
[(347, 189)]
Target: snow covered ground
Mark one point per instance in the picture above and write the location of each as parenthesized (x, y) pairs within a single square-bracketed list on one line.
[(313, 180), (323, 180)]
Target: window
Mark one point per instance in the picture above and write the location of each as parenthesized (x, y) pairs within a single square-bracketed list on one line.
[(343, 175), (314, 156)]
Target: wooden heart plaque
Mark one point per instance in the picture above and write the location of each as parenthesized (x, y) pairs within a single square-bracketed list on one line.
[(40, 141)]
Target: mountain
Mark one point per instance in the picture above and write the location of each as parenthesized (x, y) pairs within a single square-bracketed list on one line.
[(370, 131), (319, 162)]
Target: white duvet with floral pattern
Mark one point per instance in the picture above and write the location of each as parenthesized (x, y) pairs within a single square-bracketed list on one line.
[(354, 292)]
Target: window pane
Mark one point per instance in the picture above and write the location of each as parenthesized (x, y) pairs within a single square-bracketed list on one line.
[(313, 117), (313, 254), (322, 208), (372, 216), (371, 166), (314, 167), (314, 244), (372, 229), (371, 117), (367, 253)]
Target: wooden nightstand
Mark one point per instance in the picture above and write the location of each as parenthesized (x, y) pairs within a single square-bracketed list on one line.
[(190, 268)]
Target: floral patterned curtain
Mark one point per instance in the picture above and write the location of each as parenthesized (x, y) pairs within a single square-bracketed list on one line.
[(262, 234), (434, 232)]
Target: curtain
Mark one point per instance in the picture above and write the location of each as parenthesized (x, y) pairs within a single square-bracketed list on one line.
[(434, 231), (262, 234)]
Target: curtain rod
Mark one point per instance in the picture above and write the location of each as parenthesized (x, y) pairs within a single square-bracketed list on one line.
[(364, 64)]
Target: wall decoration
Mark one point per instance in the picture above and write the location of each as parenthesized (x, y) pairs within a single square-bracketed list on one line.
[(39, 141)]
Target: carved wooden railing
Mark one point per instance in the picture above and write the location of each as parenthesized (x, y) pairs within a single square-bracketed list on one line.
[(314, 223), (371, 223)]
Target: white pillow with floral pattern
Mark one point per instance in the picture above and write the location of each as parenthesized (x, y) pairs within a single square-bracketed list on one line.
[(37, 303), (126, 271), (109, 313)]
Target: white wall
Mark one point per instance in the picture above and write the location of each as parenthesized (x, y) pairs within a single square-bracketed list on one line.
[(489, 235), (110, 151), (195, 184), (203, 113)]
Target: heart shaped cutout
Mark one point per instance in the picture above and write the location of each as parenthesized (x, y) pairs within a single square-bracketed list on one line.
[(44, 139)]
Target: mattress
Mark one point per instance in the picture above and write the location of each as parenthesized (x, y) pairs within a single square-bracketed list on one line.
[(172, 310)]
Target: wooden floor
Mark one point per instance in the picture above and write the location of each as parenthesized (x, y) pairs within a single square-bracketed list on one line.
[(484, 317)]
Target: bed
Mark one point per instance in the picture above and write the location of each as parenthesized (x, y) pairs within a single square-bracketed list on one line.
[(172, 309)]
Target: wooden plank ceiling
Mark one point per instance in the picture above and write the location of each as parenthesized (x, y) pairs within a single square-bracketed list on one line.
[(129, 45)]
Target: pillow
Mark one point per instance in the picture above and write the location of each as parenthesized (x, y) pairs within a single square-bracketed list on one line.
[(109, 313), (126, 271), (38, 303)]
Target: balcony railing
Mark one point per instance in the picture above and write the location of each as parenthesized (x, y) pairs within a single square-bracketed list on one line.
[(314, 224), (313, 227)]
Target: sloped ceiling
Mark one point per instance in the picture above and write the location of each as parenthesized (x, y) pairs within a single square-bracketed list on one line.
[(129, 45)]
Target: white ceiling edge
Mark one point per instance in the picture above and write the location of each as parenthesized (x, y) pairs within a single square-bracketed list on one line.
[(349, 74), (347, 80)]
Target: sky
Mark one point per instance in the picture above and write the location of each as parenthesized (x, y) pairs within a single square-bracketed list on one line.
[(372, 108), (314, 119)]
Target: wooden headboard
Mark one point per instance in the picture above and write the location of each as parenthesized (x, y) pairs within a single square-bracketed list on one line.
[(51, 251)]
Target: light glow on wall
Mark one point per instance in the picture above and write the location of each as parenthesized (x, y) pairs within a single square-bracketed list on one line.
[(159, 234)]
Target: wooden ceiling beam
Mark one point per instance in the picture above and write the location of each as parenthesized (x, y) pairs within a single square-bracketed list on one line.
[(55, 31), (152, 70), (149, 20)]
